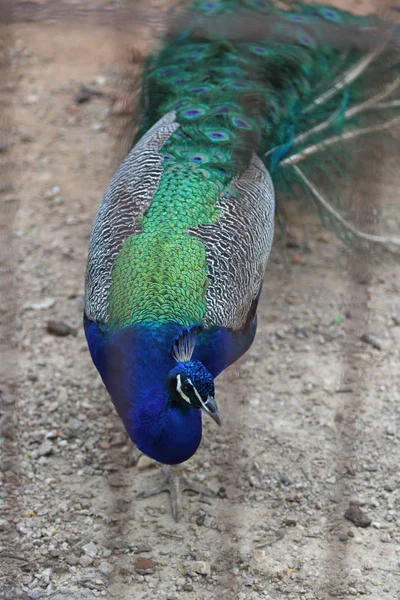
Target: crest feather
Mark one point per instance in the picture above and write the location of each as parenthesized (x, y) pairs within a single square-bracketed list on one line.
[(184, 345)]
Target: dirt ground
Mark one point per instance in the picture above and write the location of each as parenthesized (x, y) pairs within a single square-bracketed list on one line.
[(286, 464)]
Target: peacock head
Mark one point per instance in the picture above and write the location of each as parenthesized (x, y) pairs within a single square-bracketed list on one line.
[(190, 383)]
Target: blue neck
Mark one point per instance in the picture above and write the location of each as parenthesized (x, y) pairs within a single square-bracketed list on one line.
[(134, 364)]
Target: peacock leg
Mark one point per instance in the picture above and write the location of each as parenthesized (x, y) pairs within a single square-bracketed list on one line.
[(175, 482)]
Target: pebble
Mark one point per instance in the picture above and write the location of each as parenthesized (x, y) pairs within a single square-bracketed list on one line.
[(357, 516), (201, 567), (98, 127), (62, 396), (264, 563), (45, 449), (72, 559), (27, 137), (145, 566), (90, 549), (106, 568), (142, 547), (35, 593), (85, 561), (145, 462), (390, 485), (32, 99), (53, 192), (44, 304), (355, 573), (59, 328), (367, 339)]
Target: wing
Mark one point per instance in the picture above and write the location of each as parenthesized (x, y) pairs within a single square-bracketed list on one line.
[(125, 203), (238, 246)]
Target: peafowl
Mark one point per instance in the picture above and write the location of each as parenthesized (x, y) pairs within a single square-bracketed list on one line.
[(244, 99)]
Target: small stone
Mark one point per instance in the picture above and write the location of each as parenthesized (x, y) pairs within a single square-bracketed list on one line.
[(99, 80), (26, 137), (90, 549), (352, 591), (390, 486), (142, 547), (62, 396), (82, 96), (53, 192), (45, 449), (285, 480), (85, 561), (145, 462), (386, 538), (59, 328), (98, 127), (222, 493), (200, 567), (291, 521), (106, 568), (44, 304), (355, 573), (72, 560), (32, 99), (35, 593), (201, 519), (358, 540), (145, 566), (357, 516), (376, 524), (367, 339), (65, 591)]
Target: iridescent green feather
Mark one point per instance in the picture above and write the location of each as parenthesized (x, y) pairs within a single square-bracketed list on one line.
[(233, 98)]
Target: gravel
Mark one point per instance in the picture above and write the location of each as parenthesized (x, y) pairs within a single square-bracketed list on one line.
[(71, 524)]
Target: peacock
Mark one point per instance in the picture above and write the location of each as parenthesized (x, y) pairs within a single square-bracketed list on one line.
[(245, 99)]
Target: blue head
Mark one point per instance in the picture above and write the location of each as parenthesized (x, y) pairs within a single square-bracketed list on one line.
[(165, 420), (158, 394), (190, 382)]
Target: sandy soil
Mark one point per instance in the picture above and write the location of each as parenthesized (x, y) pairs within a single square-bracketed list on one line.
[(306, 435)]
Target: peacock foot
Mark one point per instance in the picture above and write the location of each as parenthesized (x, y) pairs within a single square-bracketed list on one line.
[(175, 482)]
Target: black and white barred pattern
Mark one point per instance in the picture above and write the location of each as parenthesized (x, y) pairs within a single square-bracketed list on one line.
[(128, 197), (238, 246)]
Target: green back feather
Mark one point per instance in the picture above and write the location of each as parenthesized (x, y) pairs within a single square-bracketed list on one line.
[(231, 98)]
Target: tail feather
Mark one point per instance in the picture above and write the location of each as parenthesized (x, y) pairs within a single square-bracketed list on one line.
[(297, 86)]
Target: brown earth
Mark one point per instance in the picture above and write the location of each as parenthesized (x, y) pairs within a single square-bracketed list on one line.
[(304, 434)]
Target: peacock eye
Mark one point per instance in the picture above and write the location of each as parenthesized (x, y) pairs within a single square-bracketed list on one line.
[(184, 388), (187, 386)]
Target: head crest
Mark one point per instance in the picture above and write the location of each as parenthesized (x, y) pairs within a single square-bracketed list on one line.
[(184, 345)]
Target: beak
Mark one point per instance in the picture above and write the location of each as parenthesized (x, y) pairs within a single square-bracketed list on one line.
[(210, 407)]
